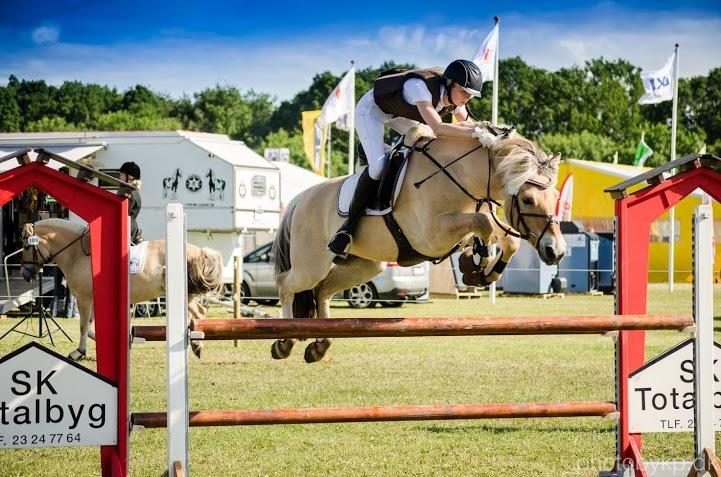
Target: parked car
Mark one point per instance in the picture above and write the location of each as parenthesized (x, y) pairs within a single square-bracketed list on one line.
[(391, 288)]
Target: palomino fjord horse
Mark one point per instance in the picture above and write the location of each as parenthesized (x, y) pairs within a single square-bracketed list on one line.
[(444, 200), (67, 244)]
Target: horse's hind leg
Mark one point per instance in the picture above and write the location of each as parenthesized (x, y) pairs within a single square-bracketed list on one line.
[(196, 311), (351, 272), (291, 283)]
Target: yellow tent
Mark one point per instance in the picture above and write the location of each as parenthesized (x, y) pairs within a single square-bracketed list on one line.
[(595, 210)]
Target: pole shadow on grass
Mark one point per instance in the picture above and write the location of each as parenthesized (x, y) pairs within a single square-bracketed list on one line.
[(508, 429)]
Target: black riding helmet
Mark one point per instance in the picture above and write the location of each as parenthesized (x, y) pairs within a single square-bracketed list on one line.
[(131, 169), (466, 74)]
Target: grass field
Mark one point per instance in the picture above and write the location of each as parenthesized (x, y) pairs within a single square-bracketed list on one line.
[(390, 372)]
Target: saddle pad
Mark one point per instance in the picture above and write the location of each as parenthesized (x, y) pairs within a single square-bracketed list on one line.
[(137, 257), (345, 194)]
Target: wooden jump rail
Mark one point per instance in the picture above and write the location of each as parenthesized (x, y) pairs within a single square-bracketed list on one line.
[(250, 417), (233, 329)]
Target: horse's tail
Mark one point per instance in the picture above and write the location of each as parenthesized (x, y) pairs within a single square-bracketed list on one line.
[(205, 272), (281, 244), (304, 304)]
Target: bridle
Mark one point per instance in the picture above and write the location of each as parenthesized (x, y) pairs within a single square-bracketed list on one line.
[(522, 230), (32, 241)]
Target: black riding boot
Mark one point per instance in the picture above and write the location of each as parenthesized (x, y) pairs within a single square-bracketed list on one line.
[(366, 187)]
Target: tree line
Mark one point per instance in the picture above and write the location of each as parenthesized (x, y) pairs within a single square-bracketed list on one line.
[(585, 112)]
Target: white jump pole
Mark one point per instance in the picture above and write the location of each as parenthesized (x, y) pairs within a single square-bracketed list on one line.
[(704, 438), (176, 296)]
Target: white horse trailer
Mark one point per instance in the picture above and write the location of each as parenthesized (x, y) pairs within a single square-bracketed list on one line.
[(225, 188)]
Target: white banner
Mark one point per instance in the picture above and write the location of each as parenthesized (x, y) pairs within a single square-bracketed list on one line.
[(565, 200), (46, 400), (485, 57), (661, 393), (341, 101), (658, 84)]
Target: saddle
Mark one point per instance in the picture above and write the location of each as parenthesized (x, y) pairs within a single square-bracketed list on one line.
[(389, 188)]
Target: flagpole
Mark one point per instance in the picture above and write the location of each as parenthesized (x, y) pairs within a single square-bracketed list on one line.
[(328, 162), (351, 129), (494, 120), (671, 212)]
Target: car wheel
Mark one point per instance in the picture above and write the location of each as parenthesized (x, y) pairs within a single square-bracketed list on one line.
[(392, 304), (144, 310), (244, 292), (361, 296)]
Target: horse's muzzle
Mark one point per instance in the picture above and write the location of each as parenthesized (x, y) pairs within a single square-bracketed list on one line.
[(551, 252), (27, 272)]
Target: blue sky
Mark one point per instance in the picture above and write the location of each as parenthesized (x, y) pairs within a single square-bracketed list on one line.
[(276, 47)]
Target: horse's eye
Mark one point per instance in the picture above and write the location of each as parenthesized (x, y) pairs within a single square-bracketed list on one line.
[(527, 201)]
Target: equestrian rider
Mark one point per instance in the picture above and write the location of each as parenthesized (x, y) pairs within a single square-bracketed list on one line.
[(402, 100), (130, 173)]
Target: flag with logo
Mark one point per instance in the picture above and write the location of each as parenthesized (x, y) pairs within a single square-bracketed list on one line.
[(658, 84), (314, 136), (643, 152), (485, 57), (341, 101), (565, 200)]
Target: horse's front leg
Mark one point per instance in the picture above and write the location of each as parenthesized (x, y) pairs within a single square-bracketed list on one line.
[(483, 226), (196, 311), (85, 306)]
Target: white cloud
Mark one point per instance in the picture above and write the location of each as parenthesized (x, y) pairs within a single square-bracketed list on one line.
[(286, 66), (45, 34)]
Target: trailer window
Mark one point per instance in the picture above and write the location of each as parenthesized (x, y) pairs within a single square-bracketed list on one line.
[(258, 186)]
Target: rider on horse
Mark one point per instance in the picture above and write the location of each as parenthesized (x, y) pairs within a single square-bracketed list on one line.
[(130, 173), (402, 100)]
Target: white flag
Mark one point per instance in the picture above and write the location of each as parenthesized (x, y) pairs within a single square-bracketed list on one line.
[(485, 57), (658, 84), (564, 205), (341, 101)]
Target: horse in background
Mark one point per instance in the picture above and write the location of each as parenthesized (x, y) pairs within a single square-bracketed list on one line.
[(68, 245), (445, 200)]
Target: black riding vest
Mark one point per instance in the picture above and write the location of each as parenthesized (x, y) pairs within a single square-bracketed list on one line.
[(388, 92)]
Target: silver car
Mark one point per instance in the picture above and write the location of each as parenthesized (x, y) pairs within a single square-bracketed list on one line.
[(391, 288)]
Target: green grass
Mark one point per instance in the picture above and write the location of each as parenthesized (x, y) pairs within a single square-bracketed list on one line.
[(389, 372)]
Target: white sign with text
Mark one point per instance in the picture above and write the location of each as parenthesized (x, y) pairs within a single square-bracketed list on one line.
[(662, 393), (47, 400)]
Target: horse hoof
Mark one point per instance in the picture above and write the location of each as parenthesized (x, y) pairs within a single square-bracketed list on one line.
[(197, 348), (314, 352), (280, 349), (76, 355)]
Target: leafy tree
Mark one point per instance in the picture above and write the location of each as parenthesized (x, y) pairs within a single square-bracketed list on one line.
[(83, 103), (51, 124), (282, 138), (127, 121), (35, 98), (226, 110), (10, 116), (583, 145)]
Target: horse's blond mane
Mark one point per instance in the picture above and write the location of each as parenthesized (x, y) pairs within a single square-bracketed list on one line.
[(519, 159)]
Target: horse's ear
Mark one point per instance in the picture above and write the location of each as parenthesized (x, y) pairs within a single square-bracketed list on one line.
[(28, 229), (554, 162)]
